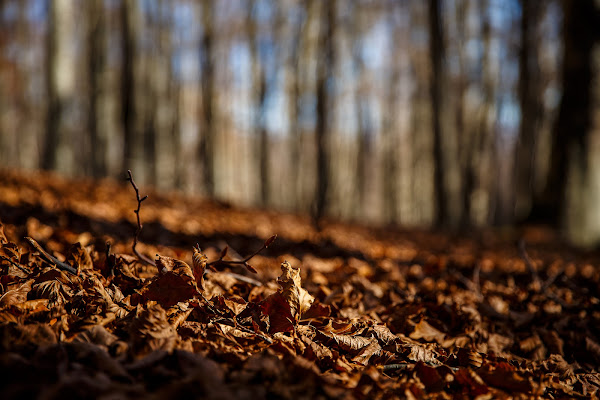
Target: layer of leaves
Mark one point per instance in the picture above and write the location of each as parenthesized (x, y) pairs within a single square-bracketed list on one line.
[(352, 313)]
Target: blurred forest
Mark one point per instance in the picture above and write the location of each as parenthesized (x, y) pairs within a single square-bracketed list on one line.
[(449, 113)]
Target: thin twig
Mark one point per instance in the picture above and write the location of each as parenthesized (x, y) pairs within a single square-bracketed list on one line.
[(139, 223), (226, 320), (394, 367), (109, 261), (23, 269), (233, 324), (243, 262), (50, 258)]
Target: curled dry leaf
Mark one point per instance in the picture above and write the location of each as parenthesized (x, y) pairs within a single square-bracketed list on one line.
[(150, 330), (199, 261), (16, 296), (79, 258), (170, 287), (297, 297), (423, 330)]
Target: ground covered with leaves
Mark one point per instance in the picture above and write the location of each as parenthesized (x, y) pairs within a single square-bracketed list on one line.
[(344, 312)]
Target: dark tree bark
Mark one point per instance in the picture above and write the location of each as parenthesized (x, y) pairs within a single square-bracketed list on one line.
[(128, 89), (259, 82), (363, 117), (294, 93), (96, 62), (569, 141), (206, 146), (436, 50), (55, 106), (325, 62), (530, 100)]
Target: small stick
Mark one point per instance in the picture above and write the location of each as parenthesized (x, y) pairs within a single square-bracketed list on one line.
[(394, 367), (109, 262), (139, 224), (51, 259), (233, 324), (244, 262), (25, 270)]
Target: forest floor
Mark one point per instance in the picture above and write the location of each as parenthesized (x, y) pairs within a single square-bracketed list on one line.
[(347, 312)]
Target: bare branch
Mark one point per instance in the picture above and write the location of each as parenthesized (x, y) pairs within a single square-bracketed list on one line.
[(50, 258), (243, 262), (139, 223), (23, 269)]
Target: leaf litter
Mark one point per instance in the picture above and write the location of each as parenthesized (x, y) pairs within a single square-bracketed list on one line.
[(347, 312)]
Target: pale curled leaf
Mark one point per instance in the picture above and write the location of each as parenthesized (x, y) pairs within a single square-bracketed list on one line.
[(298, 298), (199, 261), (423, 330)]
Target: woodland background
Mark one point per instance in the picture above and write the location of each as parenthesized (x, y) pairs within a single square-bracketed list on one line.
[(451, 113)]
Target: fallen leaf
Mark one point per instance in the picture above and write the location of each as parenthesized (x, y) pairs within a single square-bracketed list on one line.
[(423, 330), (79, 258), (298, 298), (170, 287)]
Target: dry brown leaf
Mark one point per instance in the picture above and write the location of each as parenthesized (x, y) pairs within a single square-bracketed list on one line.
[(298, 298), (16, 296), (79, 258), (423, 330), (2, 235), (150, 330), (365, 354), (505, 377), (278, 309), (199, 261), (170, 287)]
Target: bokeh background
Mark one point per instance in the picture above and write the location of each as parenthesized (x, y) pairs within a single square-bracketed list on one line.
[(453, 113)]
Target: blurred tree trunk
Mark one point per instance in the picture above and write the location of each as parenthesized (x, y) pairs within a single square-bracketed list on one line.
[(130, 30), (463, 128), (436, 49), (569, 141), (96, 64), (55, 90), (363, 122), (298, 37), (206, 147), (389, 127), (325, 65), (259, 92), (530, 98)]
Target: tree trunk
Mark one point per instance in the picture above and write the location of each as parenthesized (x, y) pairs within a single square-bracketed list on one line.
[(206, 147), (531, 110), (437, 54), (55, 102), (325, 62), (569, 141), (259, 92), (294, 93), (96, 64), (129, 33)]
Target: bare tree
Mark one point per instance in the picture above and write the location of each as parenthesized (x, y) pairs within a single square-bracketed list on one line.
[(54, 98), (325, 63), (436, 50), (571, 130), (207, 82), (129, 32), (389, 135), (259, 91), (363, 118), (96, 64)]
